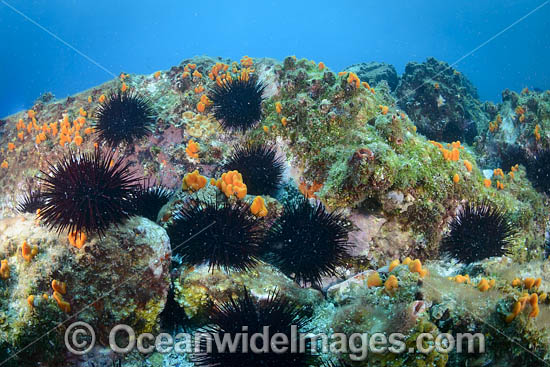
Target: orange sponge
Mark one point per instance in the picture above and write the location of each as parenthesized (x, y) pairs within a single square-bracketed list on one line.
[(258, 207), (374, 280)]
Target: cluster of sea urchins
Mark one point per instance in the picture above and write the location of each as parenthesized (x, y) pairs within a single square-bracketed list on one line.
[(477, 232), (305, 242), (222, 234)]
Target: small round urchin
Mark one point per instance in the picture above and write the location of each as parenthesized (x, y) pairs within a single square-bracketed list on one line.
[(31, 201), (237, 104), (307, 242), (87, 192), (261, 168), (276, 312), (123, 117), (477, 232), (149, 200), (223, 235)]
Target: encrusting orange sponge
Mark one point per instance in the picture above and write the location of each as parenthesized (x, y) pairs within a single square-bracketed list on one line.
[(516, 309), (231, 183), (58, 286), (63, 305), (391, 283), (192, 149), (258, 207), (416, 267), (28, 252), (374, 280), (193, 181), (483, 285), (394, 264), (30, 301), (529, 282), (4, 269), (353, 79), (278, 107), (461, 278), (77, 239), (534, 302)]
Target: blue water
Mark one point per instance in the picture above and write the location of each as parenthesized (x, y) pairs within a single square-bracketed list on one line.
[(145, 36)]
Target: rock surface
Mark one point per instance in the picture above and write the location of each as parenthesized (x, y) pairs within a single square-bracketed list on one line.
[(121, 278), (442, 101), (374, 72)]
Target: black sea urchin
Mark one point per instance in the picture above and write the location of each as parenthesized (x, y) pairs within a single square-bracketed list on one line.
[(238, 104), (173, 315), (538, 171), (338, 363), (275, 312), (261, 168), (223, 235), (477, 232), (31, 201), (88, 192), (307, 242), (150, 199), (123, 116)]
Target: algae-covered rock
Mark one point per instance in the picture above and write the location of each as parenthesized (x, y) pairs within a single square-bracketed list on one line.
[(450, 299), (198, 288), (119, 278), (374, 72), (442, 101), (518, 134)]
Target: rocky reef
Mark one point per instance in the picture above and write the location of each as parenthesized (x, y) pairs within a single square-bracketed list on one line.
[(389, 161), (375, 72), (443, 103)]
